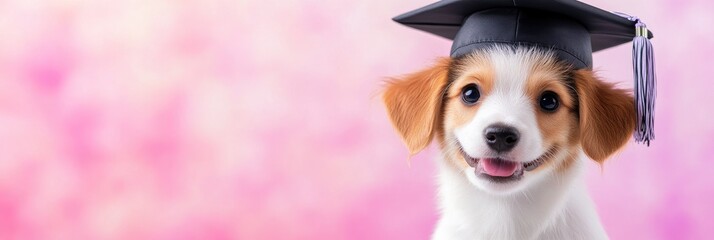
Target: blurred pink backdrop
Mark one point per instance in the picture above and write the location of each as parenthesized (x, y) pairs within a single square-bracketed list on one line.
[(261, 120)]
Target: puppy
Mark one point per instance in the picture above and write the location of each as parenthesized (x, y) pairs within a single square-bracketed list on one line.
[(515, 127)]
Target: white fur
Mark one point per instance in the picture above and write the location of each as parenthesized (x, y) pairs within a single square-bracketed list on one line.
[(507, 104), (544, 204), (558, 207)]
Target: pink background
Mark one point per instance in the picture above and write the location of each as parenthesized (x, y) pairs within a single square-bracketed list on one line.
[(231, 119)]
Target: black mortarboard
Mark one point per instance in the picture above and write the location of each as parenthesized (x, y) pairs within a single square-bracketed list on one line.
[(571, 29)]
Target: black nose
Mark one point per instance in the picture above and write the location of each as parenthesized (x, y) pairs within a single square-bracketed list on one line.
[(501, 138)]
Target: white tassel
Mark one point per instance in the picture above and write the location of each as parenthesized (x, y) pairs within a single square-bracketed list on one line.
[(645, 86)]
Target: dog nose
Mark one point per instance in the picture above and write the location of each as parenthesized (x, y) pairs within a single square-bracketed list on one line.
[(501, 138)]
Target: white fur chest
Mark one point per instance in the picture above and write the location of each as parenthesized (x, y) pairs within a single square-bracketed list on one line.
[(558, 207)]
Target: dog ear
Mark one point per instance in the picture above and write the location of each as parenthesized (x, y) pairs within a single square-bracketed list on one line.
[(607, 115), (414, 104)]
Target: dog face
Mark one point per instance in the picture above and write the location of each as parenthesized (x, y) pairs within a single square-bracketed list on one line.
[(507, 117)]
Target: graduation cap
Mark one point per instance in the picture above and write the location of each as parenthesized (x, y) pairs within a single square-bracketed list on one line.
[(571, 29)]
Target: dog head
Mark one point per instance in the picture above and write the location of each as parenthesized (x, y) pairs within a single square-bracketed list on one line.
[(509, 116)]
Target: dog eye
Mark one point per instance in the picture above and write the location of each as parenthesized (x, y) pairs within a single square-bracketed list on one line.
[(470, 94), (549, 101)]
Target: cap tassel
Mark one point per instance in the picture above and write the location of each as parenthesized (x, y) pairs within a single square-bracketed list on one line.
[(645, 84)]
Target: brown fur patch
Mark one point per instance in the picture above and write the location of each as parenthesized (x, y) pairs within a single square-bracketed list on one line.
[(414, 104), (478, 71), (607, 115), (558, 129), (474, 69)]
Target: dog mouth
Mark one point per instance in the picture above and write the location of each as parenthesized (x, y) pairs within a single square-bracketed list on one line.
[(499, 169)]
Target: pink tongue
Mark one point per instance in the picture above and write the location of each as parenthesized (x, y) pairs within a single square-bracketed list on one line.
[(498, 168)]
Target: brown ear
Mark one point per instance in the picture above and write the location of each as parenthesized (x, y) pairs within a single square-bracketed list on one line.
[(414, 104), (607, 115)]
